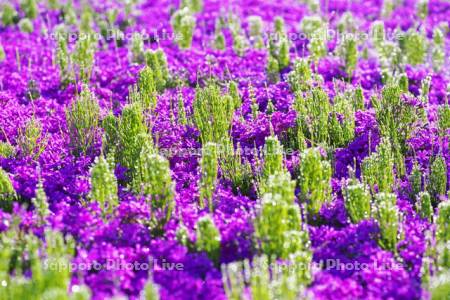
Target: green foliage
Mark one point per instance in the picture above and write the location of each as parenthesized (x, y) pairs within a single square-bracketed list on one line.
[(440, 287), (415, 179), (273, 157), (236, 169), (29, 139), (213, 114), (273, 70), (266, 281), (315, 30), (40, 202), (183, 24), (346, 23), (2, 53), (378, 168), (193, 5), (84, 55), (444, 118), (378, 34), (422, 9), (219, 40), (423, 206), (182, 119), (9, 14), (425, 88), (403, 83), (317, 112), (104, 186), (357, 201), (438, 51), (156, 60), (150, 291), (358, 99), (147, 88), (25, 25), (62, 53), (276, 221), (209, 170), (137, 48), (132, 134), (233, 91), (385, 212), (437, 184), (82, 118), (7, 192), (443, 235), (348, 51), (323, 123), (283, 54), (208, 238), (314, 179), (300, 77), (30, 8), (49, 266), (415, 47), (110, 126), (396, 121), (7, 150), (152, 178), (255, 24)]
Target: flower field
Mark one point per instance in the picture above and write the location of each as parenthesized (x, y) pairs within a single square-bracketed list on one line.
[(238, 149)]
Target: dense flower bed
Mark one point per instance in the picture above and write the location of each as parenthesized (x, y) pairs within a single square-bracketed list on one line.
[(147, 148)]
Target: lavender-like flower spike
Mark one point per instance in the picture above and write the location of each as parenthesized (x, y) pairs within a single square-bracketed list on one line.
[(208, 238), (386, 214), (209, 170), (104, 186)]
